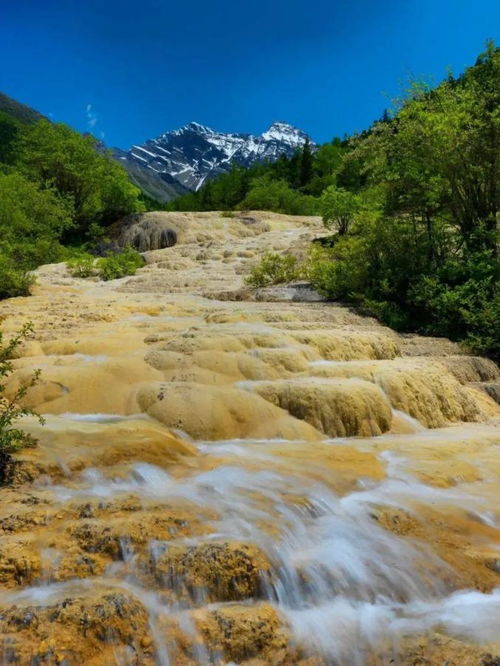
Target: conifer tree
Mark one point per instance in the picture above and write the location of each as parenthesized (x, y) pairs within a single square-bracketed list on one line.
[(306, 164)]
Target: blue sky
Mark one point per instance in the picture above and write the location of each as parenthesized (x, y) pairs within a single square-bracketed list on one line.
[(129, 71)]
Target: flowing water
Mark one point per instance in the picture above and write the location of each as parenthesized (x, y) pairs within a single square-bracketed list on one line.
[(226, 482)]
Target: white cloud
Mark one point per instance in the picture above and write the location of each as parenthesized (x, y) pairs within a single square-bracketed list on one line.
[(92, 117)]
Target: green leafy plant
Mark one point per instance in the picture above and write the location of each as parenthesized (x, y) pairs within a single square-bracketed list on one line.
[(14, 281), (120, 264), (13, 438), (415, 204), (82, 266), (339, 208), (273, 268), (98, 187)]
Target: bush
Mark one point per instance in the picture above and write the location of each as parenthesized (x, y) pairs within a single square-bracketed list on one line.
[(97, 186), (31, 221), (11, 437), (278, 196), (82, 266), (120, 264), (14, 281), (339, 208), (274, 269), (385, 268), (460, 307)]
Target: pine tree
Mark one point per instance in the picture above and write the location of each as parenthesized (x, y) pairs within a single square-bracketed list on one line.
[(294, 169), (306, 164), (385, 117)]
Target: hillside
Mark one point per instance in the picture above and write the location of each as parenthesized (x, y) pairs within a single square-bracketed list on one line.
[(18, 110)]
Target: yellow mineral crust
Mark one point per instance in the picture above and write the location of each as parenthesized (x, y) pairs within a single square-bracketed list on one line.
[(226, 478)]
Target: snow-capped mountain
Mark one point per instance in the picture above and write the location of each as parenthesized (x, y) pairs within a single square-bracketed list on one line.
[(186, 158)]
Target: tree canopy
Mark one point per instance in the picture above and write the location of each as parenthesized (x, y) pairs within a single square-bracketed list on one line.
[(55, 188)]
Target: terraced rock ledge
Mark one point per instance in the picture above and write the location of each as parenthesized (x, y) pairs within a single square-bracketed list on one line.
[(229, 481)]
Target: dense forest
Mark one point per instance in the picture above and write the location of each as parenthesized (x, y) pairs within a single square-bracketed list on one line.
[(413, 202), (56, 192)]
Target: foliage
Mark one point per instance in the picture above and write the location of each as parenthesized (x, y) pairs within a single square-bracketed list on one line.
[(32, 220), (82, 265), (268, 194), (20, 112), (274, 268), (14, 281), (420, 247), (10, 129), (288, 185), (115, 264), (120, 264), (306, 164), (55, 188), (13, 438), (339, 208), (97, 186)]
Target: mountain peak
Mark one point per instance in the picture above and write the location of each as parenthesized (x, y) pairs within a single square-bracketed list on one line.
[(195, 154), (190, 128), (280, 124), (193, 126), (281, 131)]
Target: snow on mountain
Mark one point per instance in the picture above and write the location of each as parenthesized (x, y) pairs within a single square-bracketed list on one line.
[(193, 154)]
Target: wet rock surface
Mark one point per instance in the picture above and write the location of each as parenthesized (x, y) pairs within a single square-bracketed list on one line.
[(223, 481)]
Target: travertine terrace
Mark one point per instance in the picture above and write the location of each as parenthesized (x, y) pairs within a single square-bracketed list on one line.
[(224, 478)]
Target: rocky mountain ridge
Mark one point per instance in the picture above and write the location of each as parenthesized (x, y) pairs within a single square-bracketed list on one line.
[(185, 159)]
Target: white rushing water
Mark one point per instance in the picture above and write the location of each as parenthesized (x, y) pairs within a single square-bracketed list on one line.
[(345, 586)]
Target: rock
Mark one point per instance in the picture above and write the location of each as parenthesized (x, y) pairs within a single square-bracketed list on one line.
[(124, 540), (217, 412), (339, 408), (297, 292), (88, 627), (422, 388), (242, 632), (149, 231), (492, 389), (213, 570)]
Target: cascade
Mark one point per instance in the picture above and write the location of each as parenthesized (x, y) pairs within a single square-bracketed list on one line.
[(226, 480)]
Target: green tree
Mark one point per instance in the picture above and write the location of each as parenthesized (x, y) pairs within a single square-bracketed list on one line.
[(268, 194), (58, 157), (339, 208), (438, 157), (10, 130), (32, 220), (306, 164), (417, 197)]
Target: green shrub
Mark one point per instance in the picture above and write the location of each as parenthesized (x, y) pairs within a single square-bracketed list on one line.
[(13, 438), (97, 186), (119, 265), (278, 196), (31, 221), (14, 281), (82, 266), (339, 207), (274, 268)]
